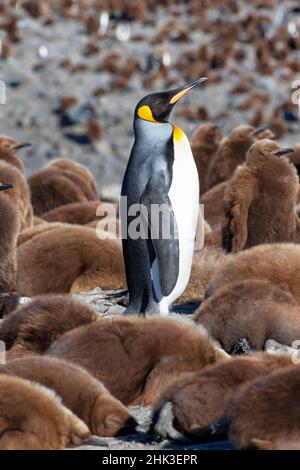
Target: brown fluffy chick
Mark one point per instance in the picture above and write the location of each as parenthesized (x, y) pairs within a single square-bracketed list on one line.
[(81, 170), (9, 230), (80, 392), (137, 358), (80, 182), (232, 152), (131, 355), (7, 142), (69, 259), (8, 155), (277, 263), (243, 315), (31, 232), (51, 187), (260, 199), (212, 201), (190, 406), (8, 149), (19, 194), (265, 413), (33, 418), (204, 143), (33, 327), (81, 212)]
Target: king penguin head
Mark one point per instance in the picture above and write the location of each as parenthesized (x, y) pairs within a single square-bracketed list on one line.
[(157, 107)]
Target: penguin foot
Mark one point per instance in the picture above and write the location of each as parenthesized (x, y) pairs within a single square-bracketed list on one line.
[(132, 312)]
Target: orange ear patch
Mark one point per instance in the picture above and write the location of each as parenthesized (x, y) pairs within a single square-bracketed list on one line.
[(177, 133), (145, 112)]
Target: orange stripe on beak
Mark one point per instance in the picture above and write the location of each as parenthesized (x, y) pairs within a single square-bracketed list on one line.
[(177, 97), (184, 90)]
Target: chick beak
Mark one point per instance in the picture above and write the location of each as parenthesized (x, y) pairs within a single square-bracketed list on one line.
[(258, 130), (268, 133), (282, 152), (5, 186), (21, 146), (185, 89)]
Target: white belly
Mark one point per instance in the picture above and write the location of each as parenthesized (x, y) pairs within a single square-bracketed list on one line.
[(184, 197)]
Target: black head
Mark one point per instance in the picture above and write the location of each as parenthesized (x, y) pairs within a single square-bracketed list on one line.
[(157, 107)]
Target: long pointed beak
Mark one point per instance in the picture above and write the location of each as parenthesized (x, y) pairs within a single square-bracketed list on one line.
[(186, 88), (5, 186), (266, 130), (22, 146), (282, 152)]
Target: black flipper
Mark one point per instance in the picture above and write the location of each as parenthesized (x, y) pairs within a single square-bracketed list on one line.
[(164, 231)]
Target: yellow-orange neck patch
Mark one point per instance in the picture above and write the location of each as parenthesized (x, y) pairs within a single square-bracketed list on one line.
[(177, 133), (145, 112)]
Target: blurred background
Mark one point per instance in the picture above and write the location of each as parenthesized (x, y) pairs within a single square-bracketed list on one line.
[(74, 70)]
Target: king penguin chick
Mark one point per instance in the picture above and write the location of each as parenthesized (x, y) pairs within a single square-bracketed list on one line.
[(136, 358), (80, 212), (232, 151), (81, 393), (9, 155), (81, 170), (69, 259), (161, 175), (260, 199), (9, 230), (7, 142), (190, 406), (33, 418), (265, 414), (33, 327), (51, 187), (19, 194), (204, 143), (212, 201), (80, 182), (277, 263), (31, 232), (243, 315)]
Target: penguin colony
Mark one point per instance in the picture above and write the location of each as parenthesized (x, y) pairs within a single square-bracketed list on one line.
[(246, 284), (72, 374)]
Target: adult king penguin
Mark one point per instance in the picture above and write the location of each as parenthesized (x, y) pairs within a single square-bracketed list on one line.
[(161, 175)]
